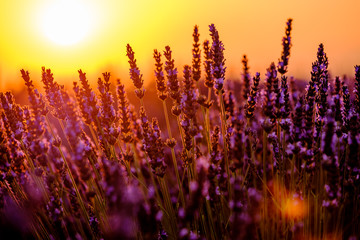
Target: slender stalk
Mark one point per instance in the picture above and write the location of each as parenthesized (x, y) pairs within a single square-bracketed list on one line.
[(138, 169), (78, 195), (173, 155), (66, 138), (81, 202), (207, 121), (92, 161), (94, 137), (169, 208), (205, 113), (264, 158), (37, 179), (223, 132), (211, 220), (283, 173)]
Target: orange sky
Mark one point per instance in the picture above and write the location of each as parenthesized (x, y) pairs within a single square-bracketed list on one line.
[(253, 27)]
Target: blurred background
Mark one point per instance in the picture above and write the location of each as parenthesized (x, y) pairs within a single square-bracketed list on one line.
[(92, 35)]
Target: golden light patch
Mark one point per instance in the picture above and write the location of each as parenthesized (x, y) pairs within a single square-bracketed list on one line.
[(66, 22), (294, 207)]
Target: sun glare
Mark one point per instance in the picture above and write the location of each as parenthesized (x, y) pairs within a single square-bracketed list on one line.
[(67, 22)]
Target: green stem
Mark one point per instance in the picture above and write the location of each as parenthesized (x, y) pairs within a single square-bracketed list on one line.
[(66, 138), (81, 202), (140, 176), (173, 155), (207, 121), (169, 208), (211, 220), (94, 137), (265, 182), (79, 198), (37, 179), (283, 172), (223, 132)]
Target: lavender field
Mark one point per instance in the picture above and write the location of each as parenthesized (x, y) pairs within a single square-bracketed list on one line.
[(263, 158)]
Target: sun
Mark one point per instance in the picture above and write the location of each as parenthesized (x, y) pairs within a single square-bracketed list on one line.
[(67, 22)]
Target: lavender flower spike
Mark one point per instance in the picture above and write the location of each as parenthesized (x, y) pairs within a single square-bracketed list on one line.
[(286, 42), (209, 81), (159, 74), (218, 63), (196, 61), (357, 89), (135, 75), (171, 74), (246, 77)]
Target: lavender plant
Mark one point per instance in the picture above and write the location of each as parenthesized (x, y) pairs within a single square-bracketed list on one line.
[(273, 161)]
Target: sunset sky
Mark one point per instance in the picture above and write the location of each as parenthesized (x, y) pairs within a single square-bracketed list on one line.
[(95, 38)]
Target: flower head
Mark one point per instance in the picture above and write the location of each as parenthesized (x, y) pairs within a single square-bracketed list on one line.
[(218, 59), (134, 71)]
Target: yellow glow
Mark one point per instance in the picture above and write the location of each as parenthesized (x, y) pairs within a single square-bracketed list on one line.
[(254, 28), (292, 205), (294, 208), (66, 22)]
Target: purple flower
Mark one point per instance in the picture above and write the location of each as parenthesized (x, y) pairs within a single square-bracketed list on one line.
[(218, 60), (286, 42), (134, 71)]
